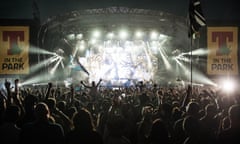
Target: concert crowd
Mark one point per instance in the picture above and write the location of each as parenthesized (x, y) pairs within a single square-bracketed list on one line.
[(143, 113)]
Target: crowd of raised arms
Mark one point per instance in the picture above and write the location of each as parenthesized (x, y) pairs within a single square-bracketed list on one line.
[(137, 114)]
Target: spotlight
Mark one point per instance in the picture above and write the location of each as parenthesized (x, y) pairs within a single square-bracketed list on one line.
[(79, 36), (96, 34), (154, 35), (59, 51), (178, 79), (70, 36), (139, 34), (93, 41), (162, 36), (123, 34), (228, 85), (110, 35)]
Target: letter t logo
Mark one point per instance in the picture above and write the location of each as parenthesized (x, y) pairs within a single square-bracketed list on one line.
[(13, 39)]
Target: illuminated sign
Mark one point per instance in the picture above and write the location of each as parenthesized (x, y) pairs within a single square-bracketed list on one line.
[(222, 46), (14, 48)]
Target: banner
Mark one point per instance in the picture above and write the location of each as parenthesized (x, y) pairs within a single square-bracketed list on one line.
[(14, 46), (196, 17), (223, 49)]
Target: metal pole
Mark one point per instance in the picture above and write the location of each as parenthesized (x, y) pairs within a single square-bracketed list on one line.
[(191, 44)]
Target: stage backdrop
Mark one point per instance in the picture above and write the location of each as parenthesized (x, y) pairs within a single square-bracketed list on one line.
[(14, 47), (222, 50)]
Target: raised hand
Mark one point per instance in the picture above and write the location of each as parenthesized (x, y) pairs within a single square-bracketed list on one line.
[(7, 84)]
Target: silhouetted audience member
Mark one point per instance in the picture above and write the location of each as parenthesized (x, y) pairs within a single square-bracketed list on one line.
[(84, 130), (192, 128), (71, 111), (3, 107), (179, 135), (145, 125), (42, 131), (61, 105), (231, 135), (59, 117), (210, 123), (9, 132), (94, 93), (159, 133), (115, 130), (29, 103)]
